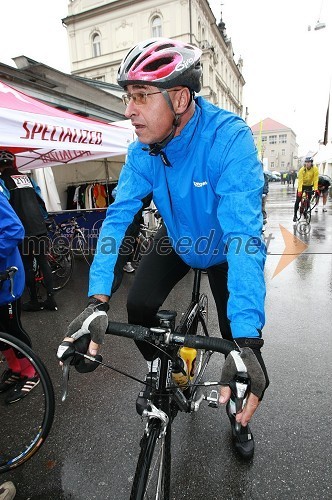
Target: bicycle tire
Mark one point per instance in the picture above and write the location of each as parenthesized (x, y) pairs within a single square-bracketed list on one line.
[(61, 261), (201, 328), (80, 246), (153, 470), (26, 423), (307, 214), (202, 356)]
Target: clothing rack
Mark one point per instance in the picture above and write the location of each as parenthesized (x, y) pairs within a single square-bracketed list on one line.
[(96, 181), (103, 182)]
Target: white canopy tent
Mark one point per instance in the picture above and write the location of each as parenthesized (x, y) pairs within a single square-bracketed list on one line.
[(43, 136)]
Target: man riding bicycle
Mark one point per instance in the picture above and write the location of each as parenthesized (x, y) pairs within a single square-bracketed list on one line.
[(307, 182), (191, 155)]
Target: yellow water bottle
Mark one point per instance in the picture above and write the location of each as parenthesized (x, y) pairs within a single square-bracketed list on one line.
[(184, 369), (180, 372), (188, 354)]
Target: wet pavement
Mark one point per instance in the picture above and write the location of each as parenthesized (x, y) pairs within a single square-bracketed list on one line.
[(93, 446)]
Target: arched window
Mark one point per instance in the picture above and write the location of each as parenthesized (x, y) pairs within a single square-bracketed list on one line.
[(156, 26), (96, 45)]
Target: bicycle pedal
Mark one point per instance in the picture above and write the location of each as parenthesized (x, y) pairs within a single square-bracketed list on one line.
[(213, 399)]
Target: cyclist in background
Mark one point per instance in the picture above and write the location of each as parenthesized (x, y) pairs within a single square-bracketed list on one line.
[(20, 377), (323, 188), (307, 182), (23, 199), (190, 154)]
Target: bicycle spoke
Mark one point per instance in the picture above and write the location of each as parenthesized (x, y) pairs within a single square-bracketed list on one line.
[(25, 423)]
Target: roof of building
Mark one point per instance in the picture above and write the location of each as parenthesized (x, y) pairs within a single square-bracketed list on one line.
[(81, 96), (268, 125)]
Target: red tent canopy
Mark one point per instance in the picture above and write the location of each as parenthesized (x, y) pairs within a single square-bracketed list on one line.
[(44, 136)]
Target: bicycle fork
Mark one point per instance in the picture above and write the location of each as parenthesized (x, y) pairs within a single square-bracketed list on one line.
[(161, 411)]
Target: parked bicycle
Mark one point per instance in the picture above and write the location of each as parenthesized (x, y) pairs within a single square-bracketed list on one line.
[(67, 239), (25, 424), (167, 397), (68, 234)]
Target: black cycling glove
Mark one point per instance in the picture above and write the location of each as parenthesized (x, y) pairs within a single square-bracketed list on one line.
[(91, 324), (253, 365)]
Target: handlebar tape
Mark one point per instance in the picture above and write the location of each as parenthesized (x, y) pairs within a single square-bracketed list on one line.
[(142, 333), (209, 343), (134, 332)]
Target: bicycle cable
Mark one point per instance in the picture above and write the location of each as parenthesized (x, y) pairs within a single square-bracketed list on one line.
[(91, 358)]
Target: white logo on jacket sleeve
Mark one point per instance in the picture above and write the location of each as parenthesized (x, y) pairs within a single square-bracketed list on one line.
[(200, 184)]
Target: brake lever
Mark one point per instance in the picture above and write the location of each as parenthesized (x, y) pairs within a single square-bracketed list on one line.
[(65, 354), (240, 386), (10, 273), (65, 379)]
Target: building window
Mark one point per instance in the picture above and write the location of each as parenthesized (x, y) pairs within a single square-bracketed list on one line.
[(156, 26), (282, 165), (283, 152), (96, 45), (272, 164), (272, 139), (264, 138), (282, 138), (272, 152)]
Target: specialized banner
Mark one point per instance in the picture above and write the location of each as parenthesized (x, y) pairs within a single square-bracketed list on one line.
[(43, 136)]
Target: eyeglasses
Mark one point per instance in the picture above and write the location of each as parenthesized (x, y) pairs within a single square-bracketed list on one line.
[(139, 98)]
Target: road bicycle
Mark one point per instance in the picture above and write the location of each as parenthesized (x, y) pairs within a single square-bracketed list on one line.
[(61, 263), (152, 479), (26, 424), (308, 202), (66, 239), (70, 236)]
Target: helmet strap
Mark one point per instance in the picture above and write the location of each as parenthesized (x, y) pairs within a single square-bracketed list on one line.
[(156, 148)]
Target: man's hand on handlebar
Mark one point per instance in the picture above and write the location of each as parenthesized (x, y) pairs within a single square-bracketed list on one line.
[(238, 365), (87, 332)]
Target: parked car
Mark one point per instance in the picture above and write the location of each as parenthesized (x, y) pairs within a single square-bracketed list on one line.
[(273, 177)]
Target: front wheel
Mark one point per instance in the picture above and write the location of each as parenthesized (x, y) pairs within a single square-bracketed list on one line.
[(307, 215), (26, 420), (61, 261), (153, 471)]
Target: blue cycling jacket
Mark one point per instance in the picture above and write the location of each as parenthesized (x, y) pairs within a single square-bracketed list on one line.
[(210, 199), (11, 234)]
